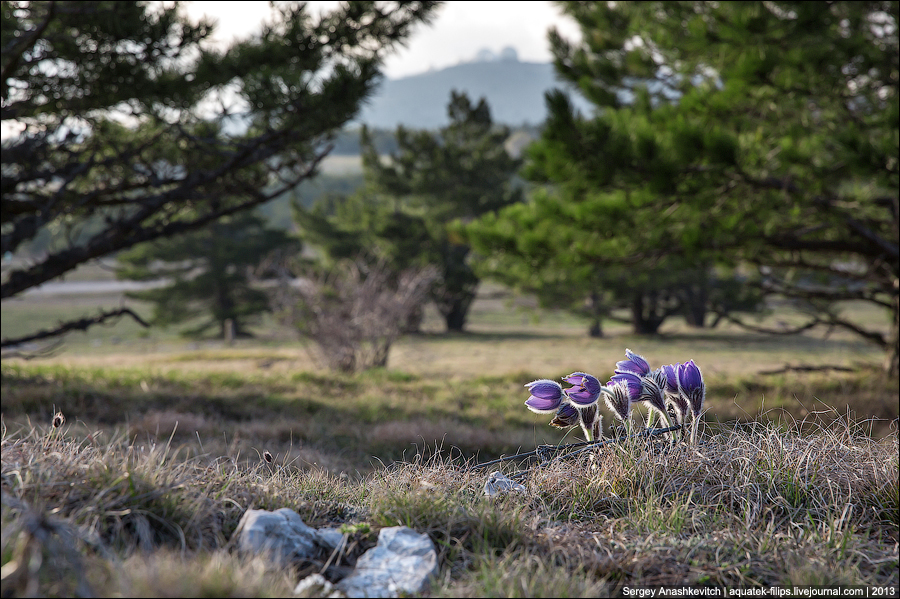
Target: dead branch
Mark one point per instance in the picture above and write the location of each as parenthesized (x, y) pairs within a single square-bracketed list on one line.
[(81, 324)]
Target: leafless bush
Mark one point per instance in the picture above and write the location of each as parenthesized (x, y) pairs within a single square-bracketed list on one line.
[(354, 311)]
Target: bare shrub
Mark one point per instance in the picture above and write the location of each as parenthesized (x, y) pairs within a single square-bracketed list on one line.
[(352, 312)]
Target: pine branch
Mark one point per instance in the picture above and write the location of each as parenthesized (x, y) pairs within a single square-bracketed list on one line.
[(81, 324)]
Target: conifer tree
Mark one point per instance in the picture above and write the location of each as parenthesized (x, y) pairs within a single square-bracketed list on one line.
[(124, 125), (210, 274), (735, 133), (404, 213)]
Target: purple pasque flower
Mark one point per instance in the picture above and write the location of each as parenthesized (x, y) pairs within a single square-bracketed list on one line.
[(588, 417), (634, 364), (546, 396), (674, 398), (646, 388), (654, 394), (691, 386), (633, 384), (653, 389), (583, 396), (586, 389), (566, 416), (671, 372)]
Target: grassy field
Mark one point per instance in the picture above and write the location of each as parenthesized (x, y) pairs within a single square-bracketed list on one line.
[(137, 494)]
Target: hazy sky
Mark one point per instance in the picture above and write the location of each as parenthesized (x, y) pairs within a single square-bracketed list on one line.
[(457, 33)]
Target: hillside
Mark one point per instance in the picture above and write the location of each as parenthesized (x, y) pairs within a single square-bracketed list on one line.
[(514, 90)]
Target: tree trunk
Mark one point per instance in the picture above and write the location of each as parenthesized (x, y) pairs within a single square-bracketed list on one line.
[(596, 328), (413, 322), (455, 317), (892, 359), (382, 350), (695, 312), (644, 318), (696, 300)]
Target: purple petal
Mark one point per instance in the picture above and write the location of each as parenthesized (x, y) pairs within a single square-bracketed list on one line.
[(592, 384), (691, 386), (628, 366), (581, 397), (631, 381), (576, 378), (671, 377), (635, 363), (689, 376), (545, 389), (541, 405), (628, 377)]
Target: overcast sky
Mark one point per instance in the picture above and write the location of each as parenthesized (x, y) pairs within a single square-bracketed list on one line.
[(458, 32)]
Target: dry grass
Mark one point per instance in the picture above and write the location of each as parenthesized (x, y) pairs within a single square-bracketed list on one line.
[(139, 492), (753, 505)]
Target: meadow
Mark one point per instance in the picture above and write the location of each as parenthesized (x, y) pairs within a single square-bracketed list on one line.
[(794, 482)]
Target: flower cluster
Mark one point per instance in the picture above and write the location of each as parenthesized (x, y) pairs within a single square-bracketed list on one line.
[(676, 388)]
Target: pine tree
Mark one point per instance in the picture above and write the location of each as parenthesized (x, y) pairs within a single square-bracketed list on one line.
[(210, 274), (404, 213), (748, 133), (127, 126)]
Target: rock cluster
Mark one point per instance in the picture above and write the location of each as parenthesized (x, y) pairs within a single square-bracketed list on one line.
[(402, 562)]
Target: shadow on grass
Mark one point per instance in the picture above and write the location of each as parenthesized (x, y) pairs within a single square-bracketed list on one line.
[(349, 421)]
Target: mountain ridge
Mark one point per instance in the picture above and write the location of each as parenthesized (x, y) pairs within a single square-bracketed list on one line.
[(514, 90)]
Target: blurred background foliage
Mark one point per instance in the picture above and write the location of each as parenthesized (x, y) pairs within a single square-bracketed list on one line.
[(737, 157)]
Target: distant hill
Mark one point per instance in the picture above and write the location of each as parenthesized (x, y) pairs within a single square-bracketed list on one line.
[(514, 90)]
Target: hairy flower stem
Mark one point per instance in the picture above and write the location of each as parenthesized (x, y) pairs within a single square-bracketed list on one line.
[(694, 426), (664, 417), (588, 433)]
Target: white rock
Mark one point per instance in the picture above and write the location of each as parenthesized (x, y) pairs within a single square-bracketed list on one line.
[(316, 585), (281, 534), (402, 562), (497, 483)]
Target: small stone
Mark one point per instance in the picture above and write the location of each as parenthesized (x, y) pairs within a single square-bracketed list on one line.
[(281, 534), (402, 562), (497, 483), (316, 585)]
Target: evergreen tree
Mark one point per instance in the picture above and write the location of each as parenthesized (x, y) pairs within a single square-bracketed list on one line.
[(759, 133), (403, 215), (459, 173), (210, 272), (128, 127)]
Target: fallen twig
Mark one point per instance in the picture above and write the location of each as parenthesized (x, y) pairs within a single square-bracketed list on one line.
[(542, 450)]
